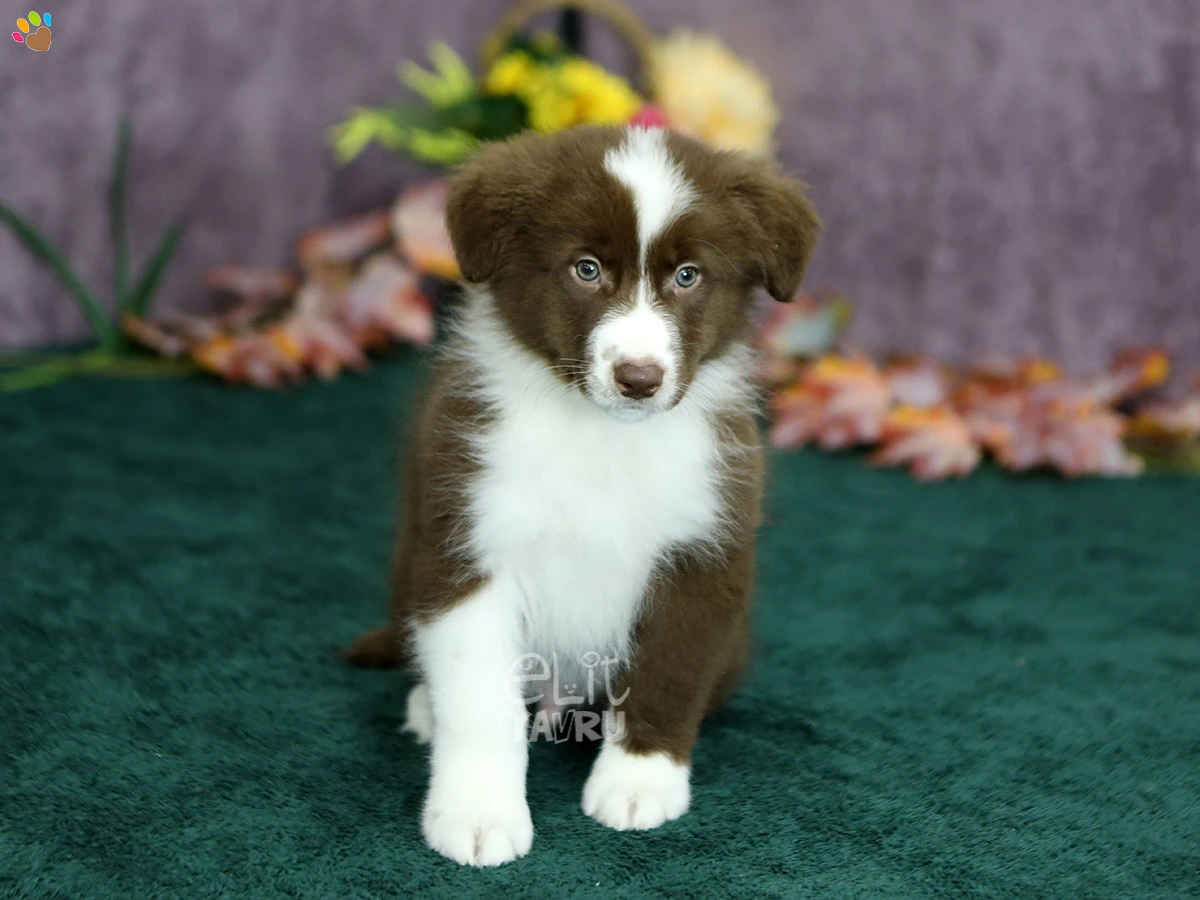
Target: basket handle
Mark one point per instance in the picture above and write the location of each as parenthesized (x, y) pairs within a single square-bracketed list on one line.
[(617, 14)]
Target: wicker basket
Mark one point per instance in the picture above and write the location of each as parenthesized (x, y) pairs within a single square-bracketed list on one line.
[(621, 17)]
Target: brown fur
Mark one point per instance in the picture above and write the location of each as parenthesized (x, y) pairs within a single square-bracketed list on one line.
[(519, 215)]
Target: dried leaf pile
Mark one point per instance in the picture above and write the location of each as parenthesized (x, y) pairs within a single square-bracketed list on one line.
[(941, 422), (359, 290)]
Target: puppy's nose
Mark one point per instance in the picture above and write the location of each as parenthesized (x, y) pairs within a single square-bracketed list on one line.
[(638, 380)]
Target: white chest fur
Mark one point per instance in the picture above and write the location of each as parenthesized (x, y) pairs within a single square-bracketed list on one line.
[(577, 508)]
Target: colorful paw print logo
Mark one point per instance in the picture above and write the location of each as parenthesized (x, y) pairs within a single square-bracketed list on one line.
[(40, 39)]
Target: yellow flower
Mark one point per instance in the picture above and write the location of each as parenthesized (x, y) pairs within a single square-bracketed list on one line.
[(513, 73), (708, 92), (550, 110), (574, 92), (600, 97)]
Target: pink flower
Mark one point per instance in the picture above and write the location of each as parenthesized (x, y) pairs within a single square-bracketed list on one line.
[(650, 116)]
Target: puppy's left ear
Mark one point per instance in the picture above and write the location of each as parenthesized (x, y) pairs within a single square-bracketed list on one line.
[(783, 228)]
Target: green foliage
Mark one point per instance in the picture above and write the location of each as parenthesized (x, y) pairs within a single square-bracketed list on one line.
[(112, 352), (48, 255), (137, 301), (544, 47), (489, 118), (1180, 455), (452, 117), (449, 82)]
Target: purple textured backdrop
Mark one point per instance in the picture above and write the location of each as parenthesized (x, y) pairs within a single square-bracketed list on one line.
[(996, 175)]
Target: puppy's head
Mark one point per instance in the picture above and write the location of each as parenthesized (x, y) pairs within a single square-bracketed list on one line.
[(627, 258)]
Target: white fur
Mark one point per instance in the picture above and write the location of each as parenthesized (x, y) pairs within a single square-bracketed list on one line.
[(418, 718), (626, 790), (475, 811), (660, 190)]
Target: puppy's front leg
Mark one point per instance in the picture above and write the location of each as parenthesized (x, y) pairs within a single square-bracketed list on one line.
[(476, 812), (689, 648)]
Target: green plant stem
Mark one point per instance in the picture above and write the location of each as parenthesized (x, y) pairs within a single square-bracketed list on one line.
[(26, 358), (107, 333), (137, 300), (92, 362)]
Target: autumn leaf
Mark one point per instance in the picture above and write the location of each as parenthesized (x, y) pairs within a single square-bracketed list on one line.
[(839, 402), (936, 443), (805, 328), (797, 417), (1167, 432), (1132, 372), (1171, 420), (1079, 439), (1000, 372), (247, 283), (337, 246), (322, 344), (385, 303), (418, 221), (993, 396), (154, 336), (919, 381)]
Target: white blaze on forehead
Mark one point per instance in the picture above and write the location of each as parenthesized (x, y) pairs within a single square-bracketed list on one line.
[(660, 190), (642, 332)]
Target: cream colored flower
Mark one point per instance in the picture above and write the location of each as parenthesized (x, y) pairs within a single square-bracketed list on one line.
[(708, 92)]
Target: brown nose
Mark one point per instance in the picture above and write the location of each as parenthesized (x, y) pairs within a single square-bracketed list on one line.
[(638, 381)]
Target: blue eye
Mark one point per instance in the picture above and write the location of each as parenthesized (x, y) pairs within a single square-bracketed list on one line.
[(587, 270), (687, 276)]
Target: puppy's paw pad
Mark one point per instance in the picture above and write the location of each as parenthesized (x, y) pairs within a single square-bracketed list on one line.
[(418, 719), (485, 838), (626, 791)]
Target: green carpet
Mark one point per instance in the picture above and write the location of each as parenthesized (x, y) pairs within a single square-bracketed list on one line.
[(983, 689)]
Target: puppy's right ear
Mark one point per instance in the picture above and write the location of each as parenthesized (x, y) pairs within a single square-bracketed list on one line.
[(472, 222), (488, 195)]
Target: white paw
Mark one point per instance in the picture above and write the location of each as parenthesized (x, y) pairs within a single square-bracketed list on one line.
[(418, 717), (627, 791), (478, 830)]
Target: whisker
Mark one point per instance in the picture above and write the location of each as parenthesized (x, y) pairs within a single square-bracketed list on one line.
[(723, 253)]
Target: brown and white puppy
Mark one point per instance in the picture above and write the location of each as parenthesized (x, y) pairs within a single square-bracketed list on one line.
[(586, 477)]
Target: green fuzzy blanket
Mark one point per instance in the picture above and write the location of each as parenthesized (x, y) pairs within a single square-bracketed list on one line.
[(981, 689)]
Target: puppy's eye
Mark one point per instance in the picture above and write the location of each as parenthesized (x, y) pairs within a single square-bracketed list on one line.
[(687, 276), (587, 270)]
